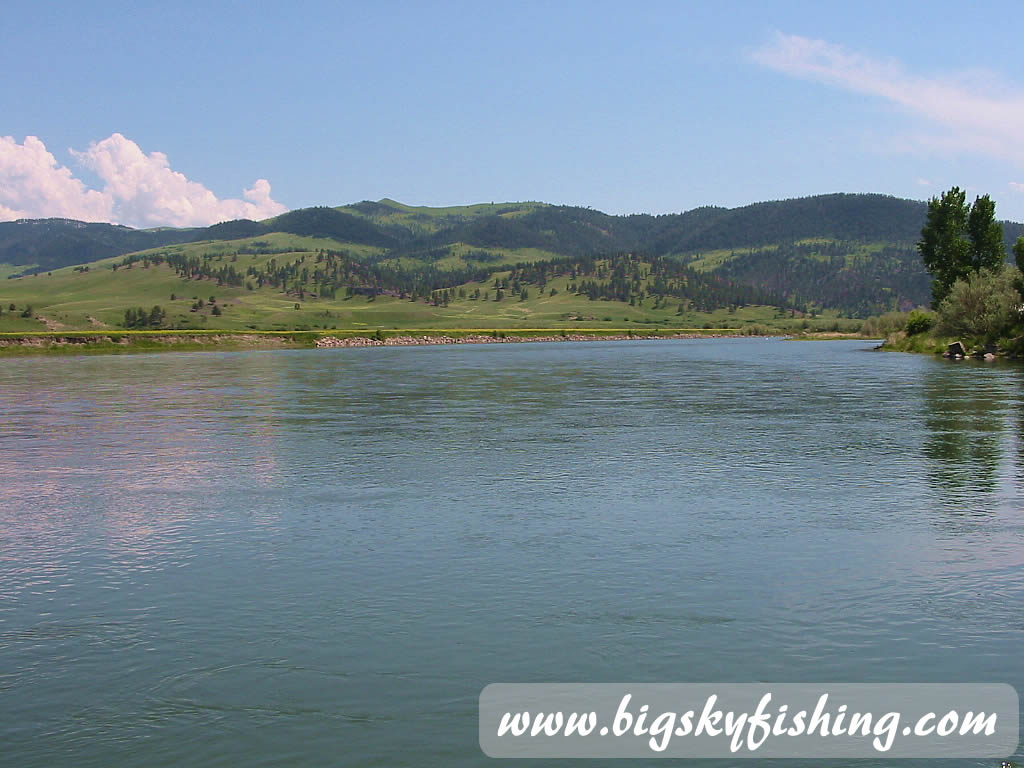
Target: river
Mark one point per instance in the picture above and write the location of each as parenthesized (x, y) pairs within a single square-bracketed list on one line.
[(320, 558)]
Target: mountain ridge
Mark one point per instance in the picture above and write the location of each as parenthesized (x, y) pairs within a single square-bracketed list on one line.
[(43, 244), (852, 254)]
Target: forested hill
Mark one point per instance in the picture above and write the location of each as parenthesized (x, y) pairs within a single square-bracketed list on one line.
[(865, 218), (47, 244), (854, 253), (53, 243), (562, 230), (575, 231)]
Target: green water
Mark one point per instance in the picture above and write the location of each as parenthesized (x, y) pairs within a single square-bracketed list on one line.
[(319, 558)]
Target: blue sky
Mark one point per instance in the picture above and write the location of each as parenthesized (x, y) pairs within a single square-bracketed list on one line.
[(167, 115)]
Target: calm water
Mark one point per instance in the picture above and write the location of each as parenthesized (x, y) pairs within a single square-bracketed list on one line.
[(320, 558)]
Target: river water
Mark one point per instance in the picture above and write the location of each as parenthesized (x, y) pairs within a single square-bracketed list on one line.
[(320, 558)]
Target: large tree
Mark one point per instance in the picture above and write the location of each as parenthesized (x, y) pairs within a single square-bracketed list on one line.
[(959, 240)]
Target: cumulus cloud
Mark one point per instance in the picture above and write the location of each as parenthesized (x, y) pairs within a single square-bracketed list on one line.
[(1017, 186), (139, 189), (974, 109), (33, 185)]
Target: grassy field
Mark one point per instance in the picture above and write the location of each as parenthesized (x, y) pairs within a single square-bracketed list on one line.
[(97, 299), (424, 219), (11, 269), (707, 261), (279, 243), (78, 298), (457, 257)]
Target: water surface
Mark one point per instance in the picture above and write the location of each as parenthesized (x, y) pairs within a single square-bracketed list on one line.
[(319, 558)]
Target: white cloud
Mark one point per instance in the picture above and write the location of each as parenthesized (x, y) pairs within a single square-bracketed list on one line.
[(139, 189), (976, 111), (1017, 186), (32, 185)]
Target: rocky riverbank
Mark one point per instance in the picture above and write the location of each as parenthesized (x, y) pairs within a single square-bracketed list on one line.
[(500, 338), (953, 349), (89, 342)]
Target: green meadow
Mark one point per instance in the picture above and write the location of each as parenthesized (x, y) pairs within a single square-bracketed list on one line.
[(708, 261), (96, 296), (9, 269), (426, 219)]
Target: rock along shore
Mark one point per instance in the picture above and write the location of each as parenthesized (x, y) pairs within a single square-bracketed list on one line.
[(416, 341)]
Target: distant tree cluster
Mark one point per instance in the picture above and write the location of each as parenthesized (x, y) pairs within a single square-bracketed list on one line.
[(208, 266), (635, 278), (141, 319), (26, 312)]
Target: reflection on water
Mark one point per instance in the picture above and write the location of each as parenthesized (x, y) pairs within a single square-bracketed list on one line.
[(321, 558), (1018, 430), (967, 418)]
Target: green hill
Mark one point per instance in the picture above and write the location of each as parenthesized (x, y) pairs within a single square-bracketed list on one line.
[(385, 263), (276, 283)]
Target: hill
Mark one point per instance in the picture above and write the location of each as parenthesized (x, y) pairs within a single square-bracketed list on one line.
[(832, 255), (44, 244)]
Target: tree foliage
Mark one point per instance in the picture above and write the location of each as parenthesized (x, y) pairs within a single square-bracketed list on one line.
[(139, 318), (958, 240)]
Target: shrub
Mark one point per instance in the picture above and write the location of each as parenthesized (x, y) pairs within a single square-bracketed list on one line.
[(920, 321), (985, 306), (883, 326)]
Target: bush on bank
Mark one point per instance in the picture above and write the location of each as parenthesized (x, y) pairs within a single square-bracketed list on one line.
[(985, 307)]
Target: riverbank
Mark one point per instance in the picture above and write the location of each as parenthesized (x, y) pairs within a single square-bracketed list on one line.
[(121, 342), (929, 344), (116, 342), (498, 337)]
